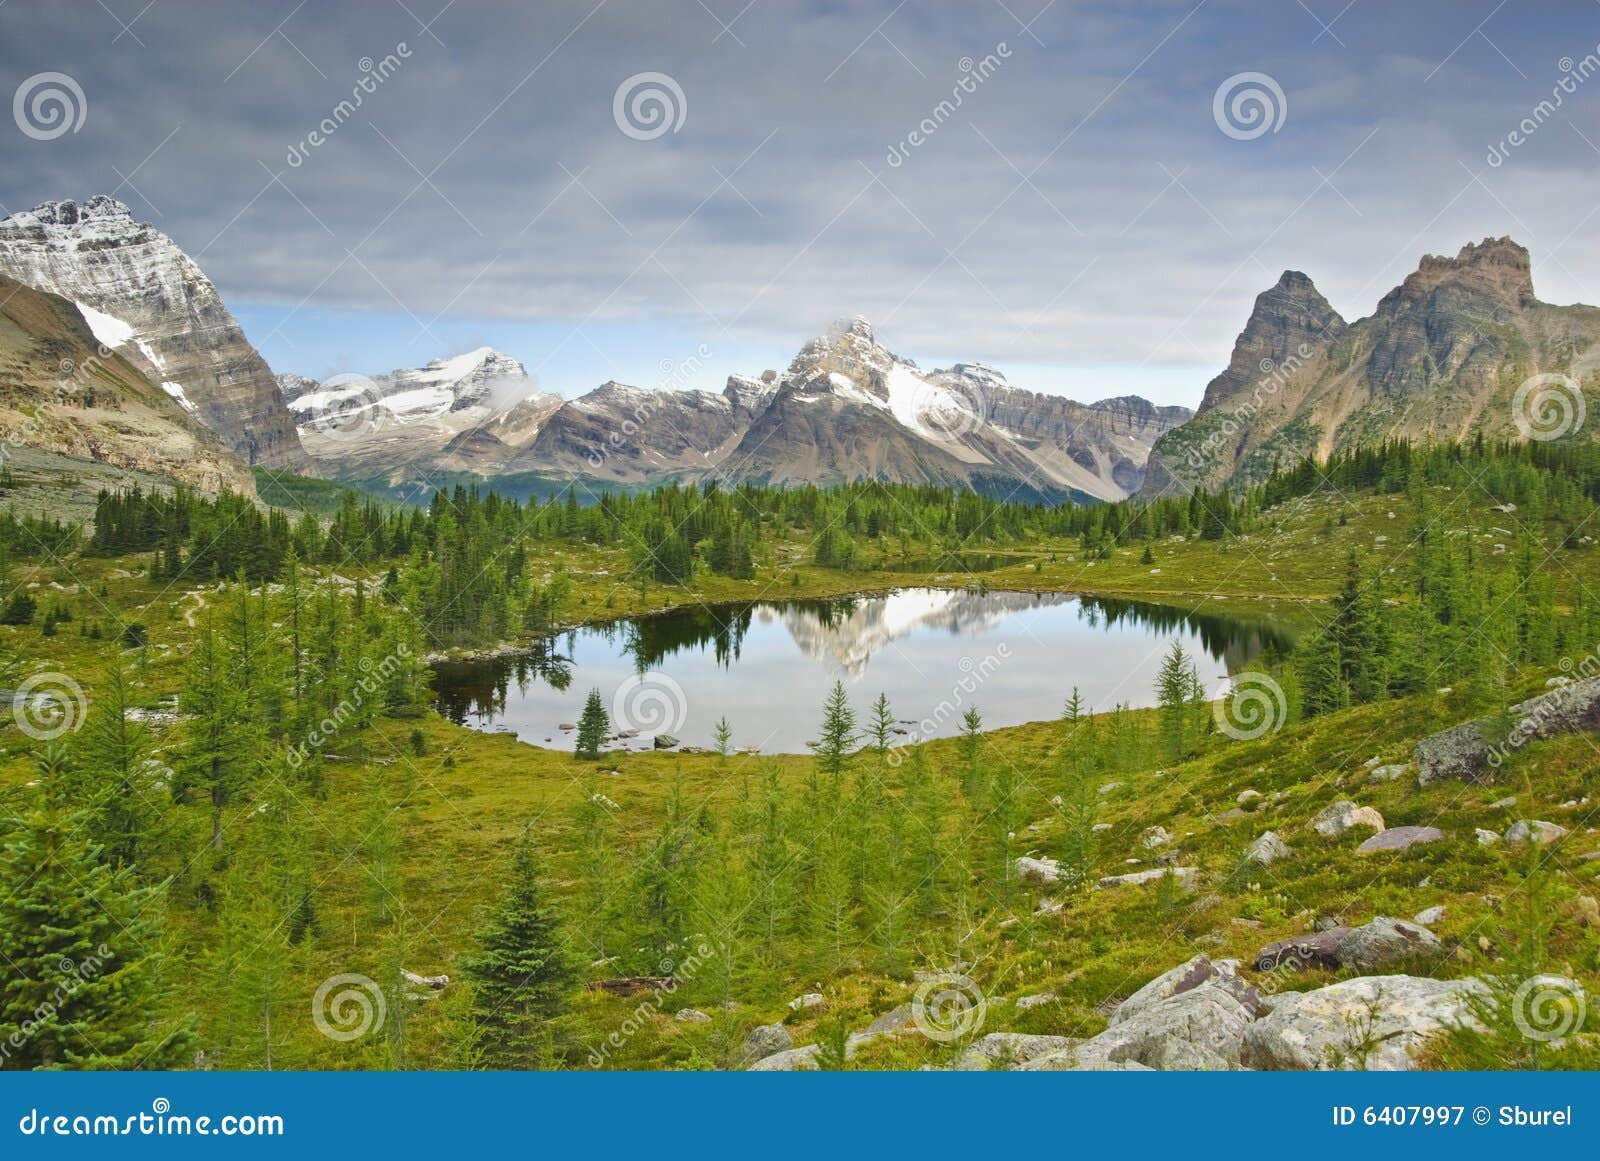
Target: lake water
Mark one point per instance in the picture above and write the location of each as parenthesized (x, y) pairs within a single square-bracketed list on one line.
[(767, 667)]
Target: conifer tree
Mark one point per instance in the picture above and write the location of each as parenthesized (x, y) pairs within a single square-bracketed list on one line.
[(838, 735), (521, 974), (1176, 686), (81, 942), (593, 728)]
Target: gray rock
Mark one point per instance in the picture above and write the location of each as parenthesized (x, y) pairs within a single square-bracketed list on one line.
[(1400, 838), (1009, 1049), (664, 741), (1429, 916), (692, 1016), (1319, 949), (1192, 1017), (806, 1002), (1250, 795), (1385, 942), (1185, 877), (1390, 773), (1373, 1022), (766, 1039), (1267, 849), (1067, 1061), (1486, 838), (1023, 1003), (1155, 836), (1462, 753), (789, 1060), (1336, 818), (891, 1021), (1534, 830), (1041, 870)]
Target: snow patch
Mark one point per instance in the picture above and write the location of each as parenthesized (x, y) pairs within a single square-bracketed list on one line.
[(176, 391), (108, 330)]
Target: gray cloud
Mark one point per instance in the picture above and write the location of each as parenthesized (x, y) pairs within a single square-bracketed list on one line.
[(1081, 206)]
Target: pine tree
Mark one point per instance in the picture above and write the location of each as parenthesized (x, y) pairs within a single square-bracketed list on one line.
[(215, 756), (1176, 684), (838, 735), (521, 974), (593, 727), (722, 736), (113, 779), (81, 943)]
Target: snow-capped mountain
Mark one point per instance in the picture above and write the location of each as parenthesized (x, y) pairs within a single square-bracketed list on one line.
[(147, 301), (404, 422), (848, 644), (846, 408)]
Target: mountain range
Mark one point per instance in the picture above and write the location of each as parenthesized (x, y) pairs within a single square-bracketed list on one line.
[(163, 379), (1462, 347), (846, 408)]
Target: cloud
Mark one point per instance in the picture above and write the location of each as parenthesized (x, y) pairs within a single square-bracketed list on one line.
[(1079, 207)]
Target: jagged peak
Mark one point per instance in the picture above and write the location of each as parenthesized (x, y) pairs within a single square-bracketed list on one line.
[(854, 324), (70, 213)]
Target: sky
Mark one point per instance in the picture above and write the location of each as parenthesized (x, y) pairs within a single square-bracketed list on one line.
[(1087, 196)]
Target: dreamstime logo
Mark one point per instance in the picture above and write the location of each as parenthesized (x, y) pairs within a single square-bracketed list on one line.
[(348, 405), (949, 1007), (47, 705), (946, 413), (1250, 705), (651, 703), (373, 74), (348, 1006), (675, 375), (1548, 1008), (49, 105), (973, 675), (973, 74), (1548, 407), (649, 105), (1249, 105)]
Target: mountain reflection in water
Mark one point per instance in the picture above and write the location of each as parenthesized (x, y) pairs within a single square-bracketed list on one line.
[(766, 666)]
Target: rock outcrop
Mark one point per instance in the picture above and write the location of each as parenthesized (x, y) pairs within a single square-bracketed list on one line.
[(1464, 753), (1439, 359), (153, 306)]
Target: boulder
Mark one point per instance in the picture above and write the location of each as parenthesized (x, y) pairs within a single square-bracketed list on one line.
[(1379, 1023), (1318, 950), (1390, 773), (1383, 943), (1429, 916), (806, 1002), (789, 1060), (1191, 1017), (1067, 1061), (664, 741), (1267, 849), (1008, 1049), (1185, 877), (1155, 836), (765, 1040), (891, 1021), (1462, 753), (1336, 818), (1023, 1003), (1486, 838), (1041, 870), (1400, 838), (1534, 830), (692, 1016)]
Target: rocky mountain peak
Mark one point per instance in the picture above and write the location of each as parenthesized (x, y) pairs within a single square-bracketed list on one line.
[(1288, 322), (154, 305), (1498, 271)]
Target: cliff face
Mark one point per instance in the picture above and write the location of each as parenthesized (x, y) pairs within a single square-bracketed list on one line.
[(61, 391), (153, 305), (1441, 358)]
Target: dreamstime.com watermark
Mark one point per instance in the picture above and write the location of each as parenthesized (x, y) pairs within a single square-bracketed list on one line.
[(71, 384), (949, 1007), (74, 974), (649, 105), (973, 74), (1235, 418), (676, 375), (46, 706), (49, 105), (369, 684), (1535, 716), (1250, 705), (677, 974), (160, 1121), (348, 1006), (1249, 105), (973, 675), (1574, 73), (1548, 406), (373, 74)]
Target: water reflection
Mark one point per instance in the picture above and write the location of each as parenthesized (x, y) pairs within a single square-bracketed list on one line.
[(767, 665)]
